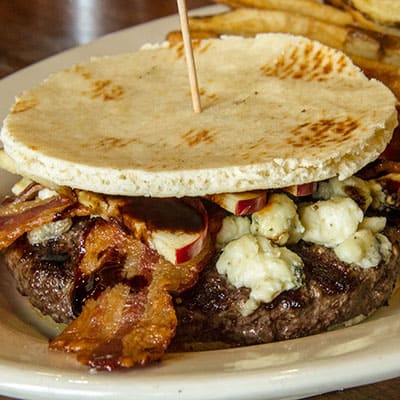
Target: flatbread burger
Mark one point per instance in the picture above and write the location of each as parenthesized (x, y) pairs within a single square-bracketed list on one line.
[(144, 227)]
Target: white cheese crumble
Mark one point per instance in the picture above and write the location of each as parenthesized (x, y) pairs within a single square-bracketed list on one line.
[(352, 187), (49, 231), (46, 194), (253, 255), (233, 227), (278, 220), (255, 263), (385, 247), (363, 248), (365, 193), (377, 194), (374, 224), (330, 222), (20, 186)]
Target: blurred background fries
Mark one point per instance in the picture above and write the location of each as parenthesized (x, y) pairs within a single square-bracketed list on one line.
[(372, 14)]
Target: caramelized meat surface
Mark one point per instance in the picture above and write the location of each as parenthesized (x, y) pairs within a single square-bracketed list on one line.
[(333, 293)]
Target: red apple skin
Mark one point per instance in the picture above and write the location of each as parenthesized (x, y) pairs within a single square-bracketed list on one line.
[(145, 226), (242, 203), (191, 250), (305, 189), (249, 206)]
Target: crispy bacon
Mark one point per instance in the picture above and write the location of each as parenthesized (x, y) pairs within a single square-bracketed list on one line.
[(128, 319), (121, 329), (19, 217), (28, 193), (132, 322)]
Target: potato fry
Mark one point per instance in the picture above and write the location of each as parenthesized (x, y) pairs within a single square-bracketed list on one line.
[(175, 37), (248, 22), (337, 12), (384, 13), (351, 40), (309, 8)]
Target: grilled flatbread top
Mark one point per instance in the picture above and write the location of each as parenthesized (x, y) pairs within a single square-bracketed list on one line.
[(278, 110)]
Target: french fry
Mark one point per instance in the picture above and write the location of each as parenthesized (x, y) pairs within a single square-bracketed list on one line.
[(336, 12), (351, 40), (309, 8), (175, 37), (249, 22), (382, 15)]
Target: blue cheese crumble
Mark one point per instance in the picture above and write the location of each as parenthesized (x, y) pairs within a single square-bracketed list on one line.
[(253, 247), (329, 222), (278, 221), (256, 263)]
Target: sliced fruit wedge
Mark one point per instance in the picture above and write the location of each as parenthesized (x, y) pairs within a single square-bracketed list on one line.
[(305, 189), (177, 247), (243, 203), (176, 228)]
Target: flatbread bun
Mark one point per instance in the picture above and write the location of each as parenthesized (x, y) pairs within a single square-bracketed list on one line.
[(278, 110)]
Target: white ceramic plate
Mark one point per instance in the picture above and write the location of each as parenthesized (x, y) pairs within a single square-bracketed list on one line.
[(298, 368)]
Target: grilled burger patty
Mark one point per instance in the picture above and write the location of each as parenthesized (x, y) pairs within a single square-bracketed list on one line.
[(45, 272), (333, 292)]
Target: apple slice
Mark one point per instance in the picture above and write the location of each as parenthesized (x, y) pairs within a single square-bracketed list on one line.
[(243, 203), (176, 228), (305, 189), (178, 247)]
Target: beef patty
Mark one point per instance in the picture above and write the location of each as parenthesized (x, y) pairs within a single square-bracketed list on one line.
[(333, 293), (45, 272)]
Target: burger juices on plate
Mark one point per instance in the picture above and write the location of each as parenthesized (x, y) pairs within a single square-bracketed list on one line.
[(144, 226)]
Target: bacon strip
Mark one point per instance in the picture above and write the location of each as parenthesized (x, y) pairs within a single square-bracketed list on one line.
[(27, 194), (121, 328), (18, 218), (134, 321), (130, 319)]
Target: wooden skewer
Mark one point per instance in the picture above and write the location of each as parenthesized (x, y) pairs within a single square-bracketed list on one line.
[(187, 43)]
